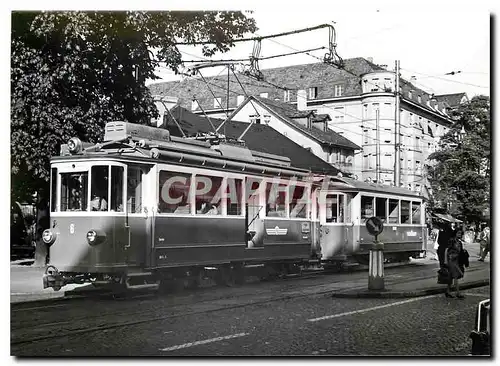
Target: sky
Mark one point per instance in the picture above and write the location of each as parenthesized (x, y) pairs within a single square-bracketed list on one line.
[(429, 39)]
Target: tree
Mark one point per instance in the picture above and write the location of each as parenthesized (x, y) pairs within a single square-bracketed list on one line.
[(71, 72), (460, 175)]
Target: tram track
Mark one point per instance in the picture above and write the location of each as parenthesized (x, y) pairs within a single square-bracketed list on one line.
[(73, 296), (111, 319)]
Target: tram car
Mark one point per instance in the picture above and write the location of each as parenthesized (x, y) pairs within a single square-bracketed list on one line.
[(345, 204), (144, 208)]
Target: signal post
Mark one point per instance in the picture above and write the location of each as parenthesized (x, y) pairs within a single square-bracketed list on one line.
[(376, 265)]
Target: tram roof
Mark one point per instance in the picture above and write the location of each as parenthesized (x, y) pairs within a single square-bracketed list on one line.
[(356, 185)]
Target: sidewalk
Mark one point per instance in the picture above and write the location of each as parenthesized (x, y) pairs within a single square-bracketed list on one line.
[(476, 275), (26, 284)]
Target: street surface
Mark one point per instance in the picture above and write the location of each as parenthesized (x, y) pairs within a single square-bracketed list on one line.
[(286, 317)]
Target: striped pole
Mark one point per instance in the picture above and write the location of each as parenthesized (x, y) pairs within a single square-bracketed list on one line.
[(376, 266)]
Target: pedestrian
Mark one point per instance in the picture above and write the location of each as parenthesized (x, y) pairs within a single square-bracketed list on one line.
[(444, 236), (454, 260), (484, 243)]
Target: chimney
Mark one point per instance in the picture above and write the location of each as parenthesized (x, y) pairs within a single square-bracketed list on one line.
[(369, 59), (301, 100)]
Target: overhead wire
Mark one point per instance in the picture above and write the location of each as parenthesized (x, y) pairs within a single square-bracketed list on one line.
[(440, 78)]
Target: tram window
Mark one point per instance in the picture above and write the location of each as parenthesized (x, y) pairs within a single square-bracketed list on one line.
[(415, 213), (174, 192), (253, 198), (335, 208), (208, 197), (298, 201), (276, 200), (134, 189), (393, 211), (234, 196), (381, 208), (99, 188), (117, 188), (74, 191), (366, 208), (53, 185), (405, 212)]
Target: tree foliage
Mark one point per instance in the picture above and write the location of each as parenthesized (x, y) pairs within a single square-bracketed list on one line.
[(460, 173), (71, 72)]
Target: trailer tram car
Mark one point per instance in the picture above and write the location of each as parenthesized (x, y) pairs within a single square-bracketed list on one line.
[(144, 208), (344, 205)]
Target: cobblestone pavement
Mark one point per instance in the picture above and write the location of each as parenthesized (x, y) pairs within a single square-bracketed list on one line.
[(316, 325)]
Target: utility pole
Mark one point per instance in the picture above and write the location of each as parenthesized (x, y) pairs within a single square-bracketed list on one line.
[(377, 149), (397, 136)]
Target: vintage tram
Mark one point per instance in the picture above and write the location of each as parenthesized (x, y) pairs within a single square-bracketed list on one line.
[(345, 204), (143, 208)]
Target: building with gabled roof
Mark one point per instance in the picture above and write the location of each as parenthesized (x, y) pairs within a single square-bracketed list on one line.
[(452, 101)]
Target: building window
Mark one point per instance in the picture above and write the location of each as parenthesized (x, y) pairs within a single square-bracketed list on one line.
[(264, 95), (312, 93), (217, 102), (286, 95), (338, 90), (409, 94), (387, 84), (418, 167), (365, 162), (239, 99), (419, 99), (367, 136), (339, 114), (375, 85), (194, 105)]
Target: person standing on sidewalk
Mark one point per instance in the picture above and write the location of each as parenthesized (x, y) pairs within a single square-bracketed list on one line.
[(454, 263), (445, 234), (484, 243)]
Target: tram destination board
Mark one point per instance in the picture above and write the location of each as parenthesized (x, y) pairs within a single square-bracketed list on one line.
[(374, 225)]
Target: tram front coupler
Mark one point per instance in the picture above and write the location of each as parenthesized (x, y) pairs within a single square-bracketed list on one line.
[(53, 278)]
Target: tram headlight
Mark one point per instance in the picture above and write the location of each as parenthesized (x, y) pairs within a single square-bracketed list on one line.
[(75, 145), (91, 237), (48, 236)]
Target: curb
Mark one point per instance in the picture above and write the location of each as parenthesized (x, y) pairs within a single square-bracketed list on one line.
[(388, 294)]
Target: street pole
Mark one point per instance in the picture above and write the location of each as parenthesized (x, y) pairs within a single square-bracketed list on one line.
[(376, 266), (397, 137), (377, 150)]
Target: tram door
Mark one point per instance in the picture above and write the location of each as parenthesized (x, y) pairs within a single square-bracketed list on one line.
[(140, 214)]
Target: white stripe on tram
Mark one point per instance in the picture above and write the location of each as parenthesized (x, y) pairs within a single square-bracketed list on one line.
[(197, 343), (371, 309)]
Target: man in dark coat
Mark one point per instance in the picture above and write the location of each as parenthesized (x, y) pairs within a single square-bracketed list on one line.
[(446, 233)]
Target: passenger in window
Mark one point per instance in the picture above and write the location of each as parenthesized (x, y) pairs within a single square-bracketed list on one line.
[(98, 203), (213, 210), (183, 207), (75, 200)]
